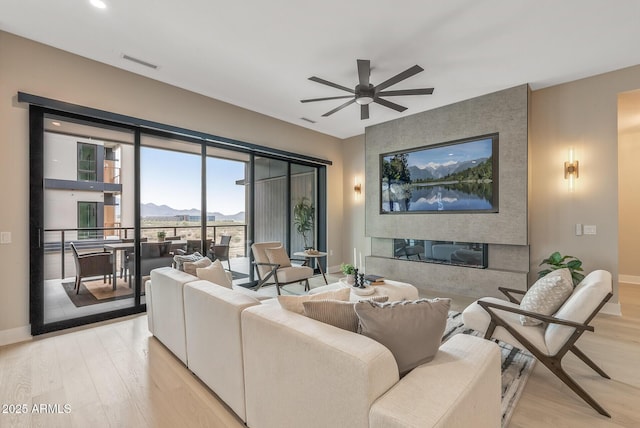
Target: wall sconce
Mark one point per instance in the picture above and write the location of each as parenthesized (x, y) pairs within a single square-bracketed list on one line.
[(571, 170), (357, 188)]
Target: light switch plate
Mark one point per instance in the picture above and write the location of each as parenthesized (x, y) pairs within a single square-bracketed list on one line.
[(5, 237), (589, 229), (578, 229)]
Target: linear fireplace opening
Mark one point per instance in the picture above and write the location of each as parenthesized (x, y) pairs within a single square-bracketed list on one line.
[(467, 254)]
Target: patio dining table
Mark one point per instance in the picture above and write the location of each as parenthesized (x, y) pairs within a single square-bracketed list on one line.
[(115, 247)]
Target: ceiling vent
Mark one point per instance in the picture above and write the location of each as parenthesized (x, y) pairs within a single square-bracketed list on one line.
[(306, 119), (139, 61)]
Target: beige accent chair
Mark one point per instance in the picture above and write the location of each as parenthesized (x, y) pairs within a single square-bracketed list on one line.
[(550, 341), (278, 274)]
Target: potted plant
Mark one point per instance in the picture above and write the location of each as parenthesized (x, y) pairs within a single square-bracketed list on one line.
[(558, 261), (303, 213), (350, 271), (161, 235)]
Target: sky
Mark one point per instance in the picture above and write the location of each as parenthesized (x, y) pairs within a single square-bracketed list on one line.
[(455, 152), (173, 178)]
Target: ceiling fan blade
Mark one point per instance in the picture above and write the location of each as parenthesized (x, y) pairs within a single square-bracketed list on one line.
[(351, 101), (424, 91), (326, 99), (399, 77), (333, 85), (364, 71), (364, 111), (394, 106)]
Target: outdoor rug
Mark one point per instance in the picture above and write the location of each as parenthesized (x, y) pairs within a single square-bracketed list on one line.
[(517, 365), (93, 292)]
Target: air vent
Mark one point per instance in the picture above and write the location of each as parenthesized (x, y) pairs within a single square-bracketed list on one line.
[(139, 61), (308, 120)]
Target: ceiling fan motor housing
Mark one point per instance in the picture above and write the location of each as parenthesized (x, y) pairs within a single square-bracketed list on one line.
[(365, 95)]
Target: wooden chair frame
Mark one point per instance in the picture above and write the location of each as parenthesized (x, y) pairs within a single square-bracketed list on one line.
[(552, 362), (272, 273)]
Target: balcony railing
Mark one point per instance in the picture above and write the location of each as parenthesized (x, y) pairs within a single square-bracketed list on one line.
[(58, 240)]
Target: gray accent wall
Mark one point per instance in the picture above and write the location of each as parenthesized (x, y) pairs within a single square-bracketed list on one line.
[(505, 112)]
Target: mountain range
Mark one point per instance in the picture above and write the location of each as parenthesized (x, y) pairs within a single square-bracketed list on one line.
[(435, 171), (153, 210)]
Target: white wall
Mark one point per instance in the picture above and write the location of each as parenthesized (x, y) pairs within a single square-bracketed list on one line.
[(582, 114), (629, 177)]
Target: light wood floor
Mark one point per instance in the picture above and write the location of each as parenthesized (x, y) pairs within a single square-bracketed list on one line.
[(116, 375)]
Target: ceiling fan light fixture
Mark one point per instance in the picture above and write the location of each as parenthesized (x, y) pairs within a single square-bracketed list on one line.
[(364, 100)]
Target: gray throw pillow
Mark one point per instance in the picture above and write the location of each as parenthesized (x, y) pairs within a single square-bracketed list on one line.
[(338, 313), (546, 295), (411, 330)]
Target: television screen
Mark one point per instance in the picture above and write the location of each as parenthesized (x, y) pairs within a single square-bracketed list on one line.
[(449, 177)]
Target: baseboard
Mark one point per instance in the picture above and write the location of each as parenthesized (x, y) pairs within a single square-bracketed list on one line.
[(15, 335), (629, 279), (612, 309)]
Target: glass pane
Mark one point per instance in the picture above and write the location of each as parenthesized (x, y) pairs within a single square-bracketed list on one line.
[(270, 218), (87, 218), (227, 192), (303, 207), (87, 162), (80, 203), (170, 201)]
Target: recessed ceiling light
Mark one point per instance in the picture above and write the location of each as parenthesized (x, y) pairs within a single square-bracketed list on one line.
[(55, 123), (98, 3)]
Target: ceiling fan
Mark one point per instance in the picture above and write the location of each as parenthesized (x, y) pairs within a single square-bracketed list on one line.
[(365, 93)]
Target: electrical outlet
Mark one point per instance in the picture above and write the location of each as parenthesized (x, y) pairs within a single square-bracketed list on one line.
[(331, 252), (5, 237), (589, 229)]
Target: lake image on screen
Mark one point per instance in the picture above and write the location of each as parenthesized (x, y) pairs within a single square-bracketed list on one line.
[(456, 177)]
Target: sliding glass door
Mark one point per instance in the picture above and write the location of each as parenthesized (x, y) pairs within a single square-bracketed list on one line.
[(110, 202), (81, 189)]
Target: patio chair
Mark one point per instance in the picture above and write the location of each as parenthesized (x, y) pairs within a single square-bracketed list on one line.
[(220, 251), (152, 255), (193, 246), (91, 264), (274, 266), (550, 341)]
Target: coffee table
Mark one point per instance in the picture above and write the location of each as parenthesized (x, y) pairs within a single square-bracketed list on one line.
[(396, 290)]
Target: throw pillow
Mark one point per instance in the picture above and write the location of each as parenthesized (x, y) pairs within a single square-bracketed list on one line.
[(214, 273), (295, 303), (411, 330), (190, 267), (278, 255), (179, 259), (336, 312), (546, 295)]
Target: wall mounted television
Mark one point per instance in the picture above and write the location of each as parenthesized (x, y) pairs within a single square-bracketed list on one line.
[(455, 176)]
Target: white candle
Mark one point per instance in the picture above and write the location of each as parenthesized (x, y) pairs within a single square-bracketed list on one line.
[(361, 265), (354, 257)]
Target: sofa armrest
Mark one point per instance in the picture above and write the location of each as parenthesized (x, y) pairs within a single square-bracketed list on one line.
[(460, 387), (325, 376)]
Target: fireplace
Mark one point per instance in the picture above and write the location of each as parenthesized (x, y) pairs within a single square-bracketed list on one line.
[(466, 254)]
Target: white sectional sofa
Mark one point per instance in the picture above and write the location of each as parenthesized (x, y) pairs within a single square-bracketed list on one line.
[(276, 368)]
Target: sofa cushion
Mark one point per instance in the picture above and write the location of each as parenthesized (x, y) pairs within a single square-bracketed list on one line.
[(278, 255), (191, 267), (295, 303), (336, 312), (214, 273), (547, 295), (180, 259), (412, 330)]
